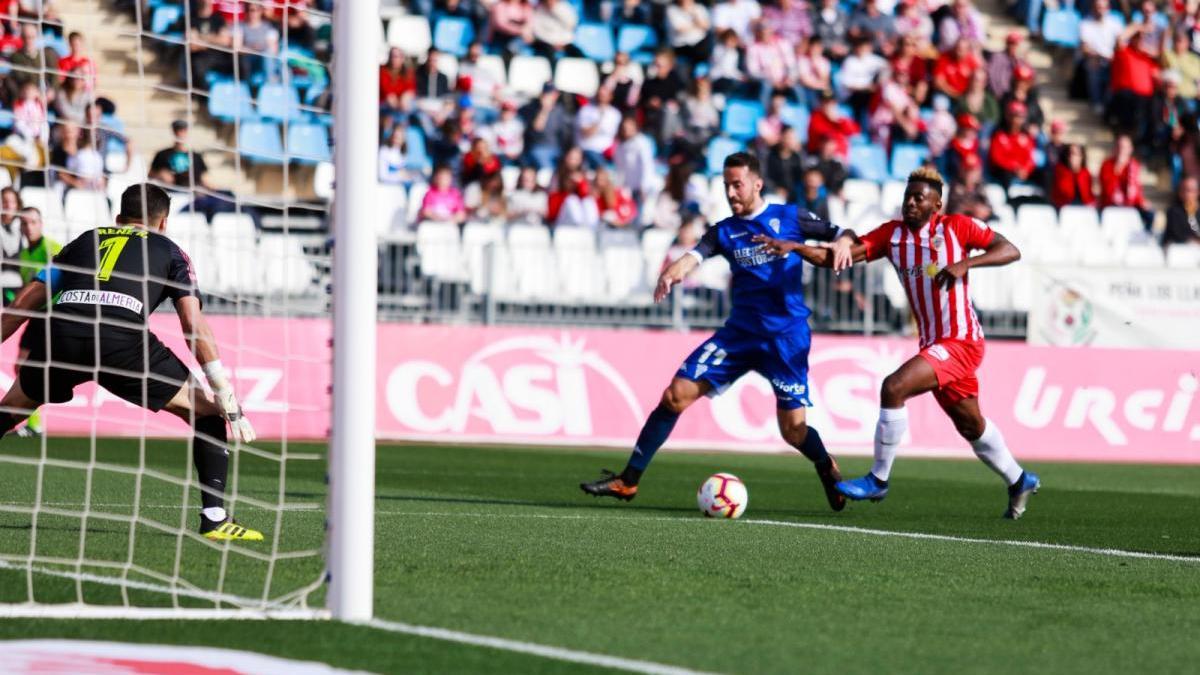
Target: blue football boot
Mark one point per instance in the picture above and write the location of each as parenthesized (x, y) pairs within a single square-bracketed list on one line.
[(1018, 494), (867, 487)]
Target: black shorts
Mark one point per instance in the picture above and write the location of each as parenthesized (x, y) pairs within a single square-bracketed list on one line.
[(140, 370), (34, 335)]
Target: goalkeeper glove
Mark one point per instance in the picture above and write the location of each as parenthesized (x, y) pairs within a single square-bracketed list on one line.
[(231, 410)]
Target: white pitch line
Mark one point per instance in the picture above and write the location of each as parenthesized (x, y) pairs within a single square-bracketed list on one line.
[(1112, 552), (534, 649)]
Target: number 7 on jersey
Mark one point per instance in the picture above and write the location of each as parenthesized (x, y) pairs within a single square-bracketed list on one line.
[(110, 250)]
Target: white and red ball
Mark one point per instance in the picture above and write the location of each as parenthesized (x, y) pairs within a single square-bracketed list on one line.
[(722, 495)]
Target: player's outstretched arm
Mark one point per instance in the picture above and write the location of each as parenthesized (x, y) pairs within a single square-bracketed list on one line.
[(997, 254), (203, 344), (31, 298), (675, 273), (847, 249)]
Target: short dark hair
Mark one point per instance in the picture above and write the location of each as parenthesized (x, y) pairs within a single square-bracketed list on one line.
[(744, 159), (156, 203)]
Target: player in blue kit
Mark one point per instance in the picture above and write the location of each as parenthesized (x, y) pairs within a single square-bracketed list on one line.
[(767, 330)]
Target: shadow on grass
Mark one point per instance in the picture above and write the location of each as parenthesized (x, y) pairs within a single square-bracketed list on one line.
[(587, 504)]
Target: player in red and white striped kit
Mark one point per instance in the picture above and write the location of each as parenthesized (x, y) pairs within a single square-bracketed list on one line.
[(930, 252)]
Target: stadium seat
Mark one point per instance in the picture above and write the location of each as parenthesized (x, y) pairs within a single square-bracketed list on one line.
[(860, 192), (990, 291), (440, 251), (494, 66), (53, 216), (638, 41), (893, 289), (1145, 255), (1032, 218), (416, 194), (411, 34), (453, 35), (185, 227), (1121, 225), (577, 76), (476, 238), (717, 208), (595, 40), (656, 241), (1079, 224), (796, 116), (323, 180), (1097, 253), (740, 119), (235, 254), (580, 274), (286, 270), (1183, 256), (279, 102), (230, 101), (260, 142), (906, 157), (868, 162), (527, 74), (1021, 279), (719, 148), (714, 273), (308, 143), (624, 267), (533, 262), (1061, 27), (391, 209), (892, 197), (163, 18), (509, 176), (86, 210), (996, 195)]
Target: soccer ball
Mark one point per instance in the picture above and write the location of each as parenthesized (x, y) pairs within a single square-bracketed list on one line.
[(723, 495)]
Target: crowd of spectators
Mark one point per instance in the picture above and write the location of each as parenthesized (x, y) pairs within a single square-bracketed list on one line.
[(881, 72)]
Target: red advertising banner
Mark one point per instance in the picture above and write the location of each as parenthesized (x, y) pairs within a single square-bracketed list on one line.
[(594, 388)]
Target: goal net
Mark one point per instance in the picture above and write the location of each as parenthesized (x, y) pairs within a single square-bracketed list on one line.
[(226, 105)]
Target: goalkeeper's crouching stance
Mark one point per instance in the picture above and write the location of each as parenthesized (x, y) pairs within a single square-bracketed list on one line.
[(102, 287)]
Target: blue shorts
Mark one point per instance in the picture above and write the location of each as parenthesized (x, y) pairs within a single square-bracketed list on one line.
[(731, 353)]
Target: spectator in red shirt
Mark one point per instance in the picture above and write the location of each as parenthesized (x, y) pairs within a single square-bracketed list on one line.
[(952, 72), (395, 78), (1121, 180), (10, 41), (964, 147), (1134, 74), (1011, 153), (909, 60), (1072, 180), (615, 204), (480, 163), (829, 123), (78, 63)]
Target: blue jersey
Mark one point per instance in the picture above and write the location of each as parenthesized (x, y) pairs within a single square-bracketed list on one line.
[(768, 292)]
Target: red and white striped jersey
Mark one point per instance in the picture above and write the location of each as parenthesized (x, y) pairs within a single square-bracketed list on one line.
[(942, 314)]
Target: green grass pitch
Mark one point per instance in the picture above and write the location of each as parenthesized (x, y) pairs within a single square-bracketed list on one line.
[(501, 542)]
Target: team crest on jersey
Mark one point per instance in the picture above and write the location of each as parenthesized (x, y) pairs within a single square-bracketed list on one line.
[(938, 241), (774, 224)]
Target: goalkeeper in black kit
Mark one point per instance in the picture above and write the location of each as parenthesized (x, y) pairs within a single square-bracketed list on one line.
[(103, 287)]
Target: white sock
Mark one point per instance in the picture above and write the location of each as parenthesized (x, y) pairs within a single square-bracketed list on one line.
[(990, 448), (214, 513), (889, 431)]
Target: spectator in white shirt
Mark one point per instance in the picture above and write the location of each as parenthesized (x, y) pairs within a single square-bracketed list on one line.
[(726, 69), (596, 127), (527, 202), (813, 71), (769, 59), (394, 166), (1098, 36), (554, 24), (480, 83), (738, 15), (634, 160), (963, 22), (507, 134), (858, 74), (687, 30)]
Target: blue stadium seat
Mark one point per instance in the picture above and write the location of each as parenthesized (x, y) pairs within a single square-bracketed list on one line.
[(740, 119), (58, 44), (595, 40), (162, 19), (228, 101), (718, 149), (453, 35), (638, 41), (796, 117), (868, 162), (418, 154), (260, 142), (277, 101), (1061, 27), (906, 157), (308, 143)]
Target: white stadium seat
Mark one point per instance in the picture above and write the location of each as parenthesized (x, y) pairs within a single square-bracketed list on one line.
[(234, 240), (185, 227), (861, 192), (1183, 256), (579, 270), (53, 217), (323, 180), (996, 195), (285, 268), (892, 197), (714, 273), (527, 74), (577, 76), (656, 241), (1098, 253), (476, 238), (411, 34), (1148, 255), (86, 210), (416, 195), (1121, 225), (533, 262), (1033, 217), (990, 290), (1021, 279), (391, 214), (624, 267), (494, 66), (440, 251), (1079, 224), (509, 176)]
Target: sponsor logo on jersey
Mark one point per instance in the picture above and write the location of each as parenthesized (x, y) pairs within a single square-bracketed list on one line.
[(794, 388), (738, 235), (105, 298), (752, 256)]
